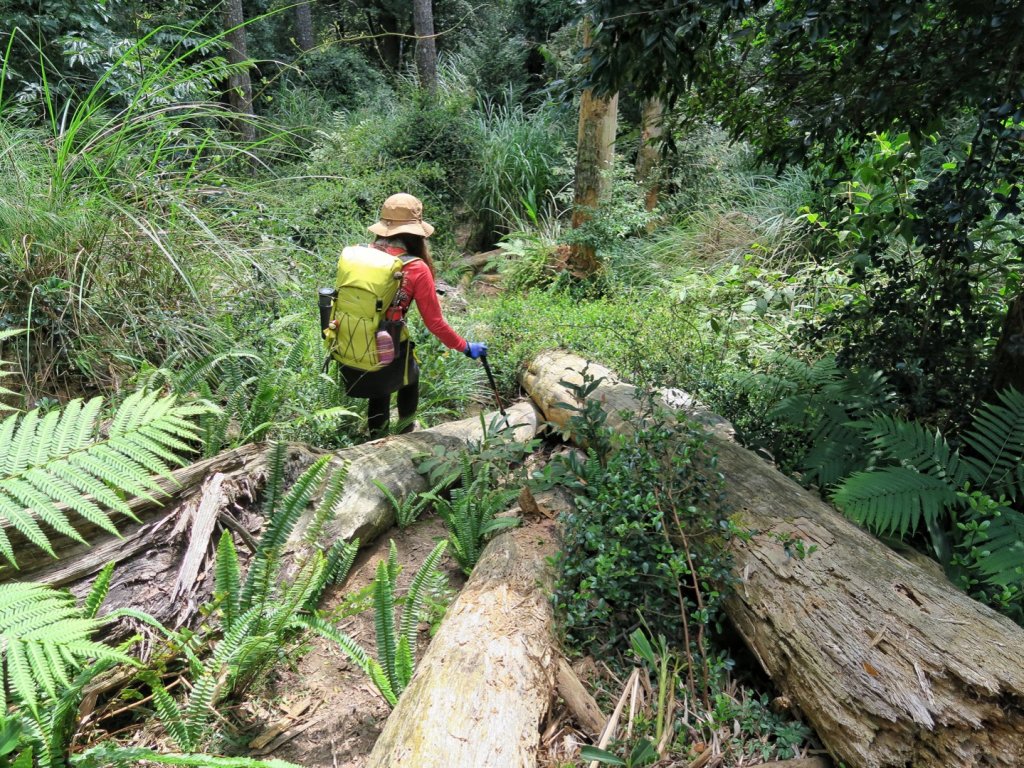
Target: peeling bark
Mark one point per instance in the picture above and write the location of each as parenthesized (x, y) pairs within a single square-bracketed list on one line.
[(889, 663), (481, 691)]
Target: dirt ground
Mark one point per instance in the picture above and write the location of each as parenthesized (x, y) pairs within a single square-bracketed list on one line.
[(341, 711)]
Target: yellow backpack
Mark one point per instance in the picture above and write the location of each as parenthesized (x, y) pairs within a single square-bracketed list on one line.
[(367, 283)]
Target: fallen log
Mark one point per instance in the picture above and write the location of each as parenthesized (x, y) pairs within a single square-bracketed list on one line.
[(363, 511), (164, 558), (889, 663), (484, 684)]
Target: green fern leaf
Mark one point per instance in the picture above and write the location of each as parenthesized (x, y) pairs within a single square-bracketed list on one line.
[(170, 714), (327, 508), (403, 666), (44, 636), (393, 567), (337, 564), (1002, 561), (384, 623), (415, 595), (98, 591), (912, 444), (58, 463), (284, 511), (227, 579), (997, 436), (893, 499), (359, 656)]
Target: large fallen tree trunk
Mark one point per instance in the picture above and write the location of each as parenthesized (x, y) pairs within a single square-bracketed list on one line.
[(485, 682), (164, 559), (889, 663), (363, 511)]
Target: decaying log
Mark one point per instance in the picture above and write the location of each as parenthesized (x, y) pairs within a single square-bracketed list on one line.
[(484, 684), (891, 665), (364, 512), (164, 558), (579, 702)]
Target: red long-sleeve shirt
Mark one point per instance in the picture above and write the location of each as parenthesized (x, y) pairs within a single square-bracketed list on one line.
[(418, 283)]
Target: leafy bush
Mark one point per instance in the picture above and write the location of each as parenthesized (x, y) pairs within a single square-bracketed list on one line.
[(645, 541), (342, 75)]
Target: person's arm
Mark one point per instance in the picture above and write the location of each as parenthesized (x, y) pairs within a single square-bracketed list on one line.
[(422, 290)]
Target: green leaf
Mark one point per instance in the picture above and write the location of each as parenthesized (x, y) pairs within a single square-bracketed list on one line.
[(593, 753)]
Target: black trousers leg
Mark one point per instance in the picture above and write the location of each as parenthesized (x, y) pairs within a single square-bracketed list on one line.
[(377, 415), (408, 401)]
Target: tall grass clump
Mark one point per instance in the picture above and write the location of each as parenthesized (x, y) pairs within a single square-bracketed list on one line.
[(119, 241), (521, 169)]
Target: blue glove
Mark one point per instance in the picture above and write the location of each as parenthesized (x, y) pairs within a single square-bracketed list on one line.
[(475, 349)]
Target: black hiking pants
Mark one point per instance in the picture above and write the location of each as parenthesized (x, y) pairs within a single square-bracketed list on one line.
[(378, 410)]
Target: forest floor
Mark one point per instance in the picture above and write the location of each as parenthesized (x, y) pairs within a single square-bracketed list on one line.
[(340, 713)]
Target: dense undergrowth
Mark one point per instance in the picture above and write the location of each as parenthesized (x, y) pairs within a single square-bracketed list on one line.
[(143, 244)]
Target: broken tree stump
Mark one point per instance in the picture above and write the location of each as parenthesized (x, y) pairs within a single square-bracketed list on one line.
[(890, 664)]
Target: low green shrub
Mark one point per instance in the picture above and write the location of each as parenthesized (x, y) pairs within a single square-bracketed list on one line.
[(645, 542)]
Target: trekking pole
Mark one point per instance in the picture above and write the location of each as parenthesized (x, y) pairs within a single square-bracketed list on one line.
[(490, 377)]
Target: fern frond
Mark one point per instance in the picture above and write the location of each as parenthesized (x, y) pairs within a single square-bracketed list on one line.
[(415, 595), (62, 719), (284, 511), (499, 524), (98, 591), (293, 504), (893, 499), (997, 436), (403, 665), (327, 508), (170, 714), (359, 656), (337, 564), (60, 462), (393, 567), (912, 444), (44, 636), (275, 479), (384, 622), (1002, 560), (227, 579)]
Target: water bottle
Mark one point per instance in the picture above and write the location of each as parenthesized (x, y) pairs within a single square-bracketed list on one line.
[(385, 347), (325, 298)]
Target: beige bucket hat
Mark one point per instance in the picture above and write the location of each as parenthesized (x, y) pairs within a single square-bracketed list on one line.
[(401, 213)]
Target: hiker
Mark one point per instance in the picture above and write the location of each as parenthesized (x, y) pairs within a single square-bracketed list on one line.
[(401, 233)]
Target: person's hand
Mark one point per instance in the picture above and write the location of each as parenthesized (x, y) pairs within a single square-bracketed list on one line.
[(475, 349)]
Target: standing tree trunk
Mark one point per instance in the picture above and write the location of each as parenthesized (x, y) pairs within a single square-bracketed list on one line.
[(647, 174), (1008, 361), (426, 50), (239, 84), (595, 151), (304, 36)]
